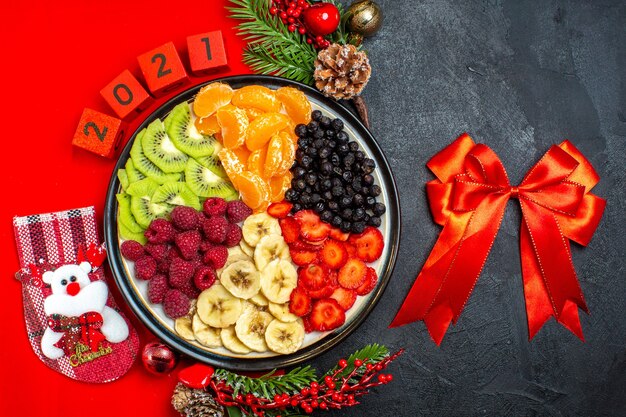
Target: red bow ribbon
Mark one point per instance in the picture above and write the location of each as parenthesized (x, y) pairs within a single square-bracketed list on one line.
[(83, 328), (469, 198)]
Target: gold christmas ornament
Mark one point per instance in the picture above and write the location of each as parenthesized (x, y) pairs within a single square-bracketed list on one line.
[(341, 71), (364, 18)]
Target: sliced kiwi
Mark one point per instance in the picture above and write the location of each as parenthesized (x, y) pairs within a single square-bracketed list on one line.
[(125, 216), (121, 175), (143, 164), (132, 173), (205, 183), (182, 131), (142, 207), (177, 194), (160, 150), (128, 235), (214, 164)]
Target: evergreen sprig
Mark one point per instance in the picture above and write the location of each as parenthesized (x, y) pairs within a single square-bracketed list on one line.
[(369, 354), (269, 384)]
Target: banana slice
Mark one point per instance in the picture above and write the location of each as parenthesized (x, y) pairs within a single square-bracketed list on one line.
[(269, 248), (231, 342), (182, 325), (231, 260), (284, 338), (234, 251), (247, 249), (257, 226), (250, 329), (217, 307), (260, 300), (282, 313), (241, 279), (205, 334), (278, 279)]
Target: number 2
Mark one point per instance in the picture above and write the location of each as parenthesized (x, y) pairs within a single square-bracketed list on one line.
[(162, 72), (100, 134)]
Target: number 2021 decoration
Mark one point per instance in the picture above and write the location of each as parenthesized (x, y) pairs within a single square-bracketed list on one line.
[(163, 72)]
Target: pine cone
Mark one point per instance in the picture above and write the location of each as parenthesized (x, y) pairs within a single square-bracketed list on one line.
[(341, 71), (195, 403)]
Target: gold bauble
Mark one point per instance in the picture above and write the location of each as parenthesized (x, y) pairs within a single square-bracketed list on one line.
[(364, 17)]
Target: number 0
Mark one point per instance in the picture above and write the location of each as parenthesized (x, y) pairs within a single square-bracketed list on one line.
[(99, 134), (162, 72)]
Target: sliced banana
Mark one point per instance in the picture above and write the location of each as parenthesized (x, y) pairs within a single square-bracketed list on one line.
[(250, 329), (231, 260), (182, 325), (257, 226), (231, 342), (282, 313), (269, 248), (247, 249), (278, 279), (283, 337), (260, 300), (205, 334), (235, 250), (217, 307), (242, 279)]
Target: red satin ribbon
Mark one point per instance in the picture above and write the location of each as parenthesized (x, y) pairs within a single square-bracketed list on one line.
[(469, 198)]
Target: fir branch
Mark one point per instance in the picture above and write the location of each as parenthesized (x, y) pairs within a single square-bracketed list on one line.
[(339, 35), (369, 354), (281, 62), (268, 385)]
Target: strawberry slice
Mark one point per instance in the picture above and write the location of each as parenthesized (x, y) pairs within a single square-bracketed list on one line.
[(302, 257), (307, 324), (345, 298), (326, 314), (369, 244), (351, 250), (317, 243), (290, 229), (352, 275), (299, 302), (301, 245), (332, 278), (279, 210), (313, 276), (337, 234), (334, 254), (324, 292), (369, 284), (311, 227)]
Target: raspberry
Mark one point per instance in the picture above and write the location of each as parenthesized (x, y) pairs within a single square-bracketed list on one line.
[(157, 250), (237, 211), (132, 250), (190, 290), (205, 245), (214, 206), (216, 257), (233, 235), (181, 272), (157, 287), (176, 304), (145, 268), (204, 277), (184, 218), (215, 229), (160, 231), (188, 243)]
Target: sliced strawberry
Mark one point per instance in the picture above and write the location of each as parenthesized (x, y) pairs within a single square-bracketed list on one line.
[(334, 254), (371, 279), (345, 298), (352, 274), (332, 278), (311, 227), (313, 276), (299, 302), (337, 234), (315, 242), (279, 210), (307, 324), (302, 257), (326, 314), (351, 250), (324, 292), (301, 245), (369, 244), (290, 228)]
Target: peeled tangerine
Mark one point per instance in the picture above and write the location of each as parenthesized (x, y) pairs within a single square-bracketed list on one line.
[(212, 97), (207, 125), (278, 186), (296, 104), (256, 161), (234, 123), (256, 96), (253, 189), (274, 156), (263, 127), (231, 164)]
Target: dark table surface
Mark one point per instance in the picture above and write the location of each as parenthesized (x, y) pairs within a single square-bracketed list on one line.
[(518, 76)]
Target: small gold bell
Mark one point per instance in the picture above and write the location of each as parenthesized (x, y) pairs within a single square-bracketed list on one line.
[(364, 17)]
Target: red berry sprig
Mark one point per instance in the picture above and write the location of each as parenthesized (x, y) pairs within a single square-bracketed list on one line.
[(295, 14)]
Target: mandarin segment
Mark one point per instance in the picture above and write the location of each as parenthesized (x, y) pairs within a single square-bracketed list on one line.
[(256, 96), (256, 160), (253, 113), (296, 104), (253, 189), (263, 127), (234, 123), (274, 158), (207, 125), (212, 97), (242, 154), (288, 149), (278, 185), (231, 164)]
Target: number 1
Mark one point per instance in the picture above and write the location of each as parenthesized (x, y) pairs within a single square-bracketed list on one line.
[(208, 47)]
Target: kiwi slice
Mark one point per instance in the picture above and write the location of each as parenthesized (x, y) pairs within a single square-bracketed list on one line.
[(132, 173), (141, 205), (214, 164), (123, 178), (160, 150), (177, 194), (125, 216), (183, 132), (128, 235), (205, 183), (143, 164)]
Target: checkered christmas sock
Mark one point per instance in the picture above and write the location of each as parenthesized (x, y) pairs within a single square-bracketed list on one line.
[(72, 321)]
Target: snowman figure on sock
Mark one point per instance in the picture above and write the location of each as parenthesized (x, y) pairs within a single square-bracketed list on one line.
[(77, 312)]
